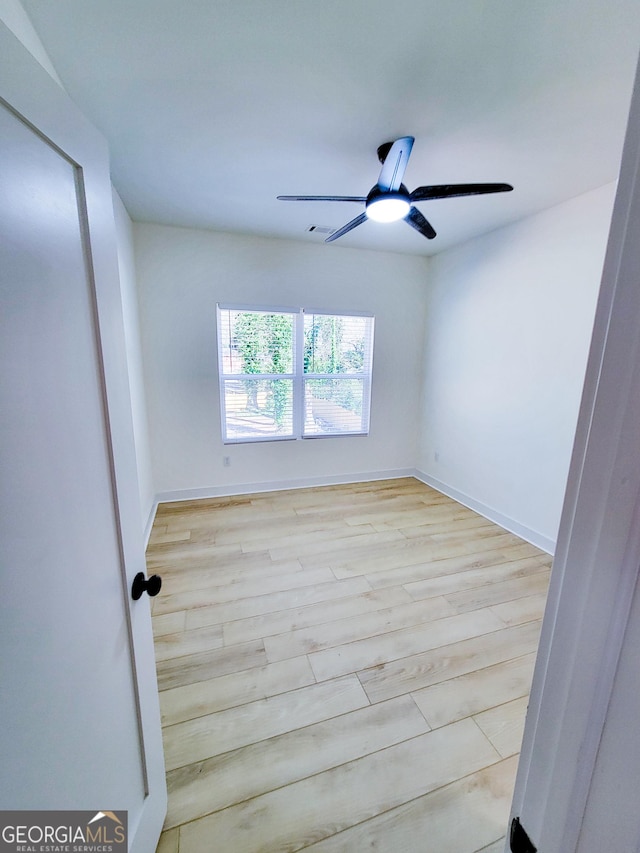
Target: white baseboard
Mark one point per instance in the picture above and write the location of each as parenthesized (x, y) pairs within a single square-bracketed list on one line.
[(150, 519), (532, 536), (278, 485)]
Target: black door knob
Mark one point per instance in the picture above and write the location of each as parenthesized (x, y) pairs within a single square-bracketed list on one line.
[(141, 584)]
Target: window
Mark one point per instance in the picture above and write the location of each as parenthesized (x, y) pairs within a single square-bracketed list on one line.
[(293, 373)]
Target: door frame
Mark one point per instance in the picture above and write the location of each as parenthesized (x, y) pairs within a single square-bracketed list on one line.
[(597, 561), (29, 91)]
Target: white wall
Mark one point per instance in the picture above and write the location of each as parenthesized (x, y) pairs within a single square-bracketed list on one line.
[(128, 289), (182, 273), (12, 13), (509, 323)]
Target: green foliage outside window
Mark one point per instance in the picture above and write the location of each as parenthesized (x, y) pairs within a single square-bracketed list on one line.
[(265, 345), (331, 349)]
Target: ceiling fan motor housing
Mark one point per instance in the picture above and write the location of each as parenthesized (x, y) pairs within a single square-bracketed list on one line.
[(388, 205)]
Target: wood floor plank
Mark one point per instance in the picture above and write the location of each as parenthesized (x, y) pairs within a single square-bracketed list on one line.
[(276, 528), (408, 552), (499, 593), (293, 619), (504, 725), (404, 514), (203, 580), (410, 517), (396, 484), (223, 731), (216, 783), (210, 517), (233, 592), (337, 506), (448, 517), (275, 602), (413, 576), (204, 555), (319, 553), (294, 541), (198, 566), (304, 812), (173, 509), (377, 651), (474, 534), (169, 536), (523, 610), (174, 559), (525, 549), (448, 577), (324, 501), (235, 688), (184, 643), (175, 672), (169, 842), (475, 691), (453, 819), (172, 623), (341, 632), (202, 572), (466, 522), (412, 673)]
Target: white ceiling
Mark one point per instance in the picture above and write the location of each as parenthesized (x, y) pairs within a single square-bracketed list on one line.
[(213, 107)]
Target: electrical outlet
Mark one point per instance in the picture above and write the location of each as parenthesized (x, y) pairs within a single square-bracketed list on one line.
[(226, 461), (436, 456)]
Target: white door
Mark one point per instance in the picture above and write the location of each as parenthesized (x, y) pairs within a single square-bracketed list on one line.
[(80, 726), (579, 773)]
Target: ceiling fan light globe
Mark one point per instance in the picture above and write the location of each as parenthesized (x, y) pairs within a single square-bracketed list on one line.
[(387, 208)]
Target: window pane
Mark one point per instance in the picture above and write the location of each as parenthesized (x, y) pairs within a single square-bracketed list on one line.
[(336, 344), (334, 406), (256, 342), (258, 408)]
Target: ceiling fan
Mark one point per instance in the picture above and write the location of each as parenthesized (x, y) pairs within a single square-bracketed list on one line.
[(389, 200)]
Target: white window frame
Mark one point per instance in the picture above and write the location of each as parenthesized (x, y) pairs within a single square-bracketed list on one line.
[(298, 376)]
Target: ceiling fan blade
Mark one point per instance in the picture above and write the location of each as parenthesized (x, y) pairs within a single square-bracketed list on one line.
[(417, 221), (394, 163), (356, 198), (452, 190), (345, 228)]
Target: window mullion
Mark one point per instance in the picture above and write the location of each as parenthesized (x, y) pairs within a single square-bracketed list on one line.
[(298, 380)]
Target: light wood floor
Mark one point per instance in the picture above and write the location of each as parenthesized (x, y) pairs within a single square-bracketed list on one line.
[(341, 669)]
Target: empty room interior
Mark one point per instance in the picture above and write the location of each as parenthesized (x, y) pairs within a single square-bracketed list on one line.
[(355, 530)]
